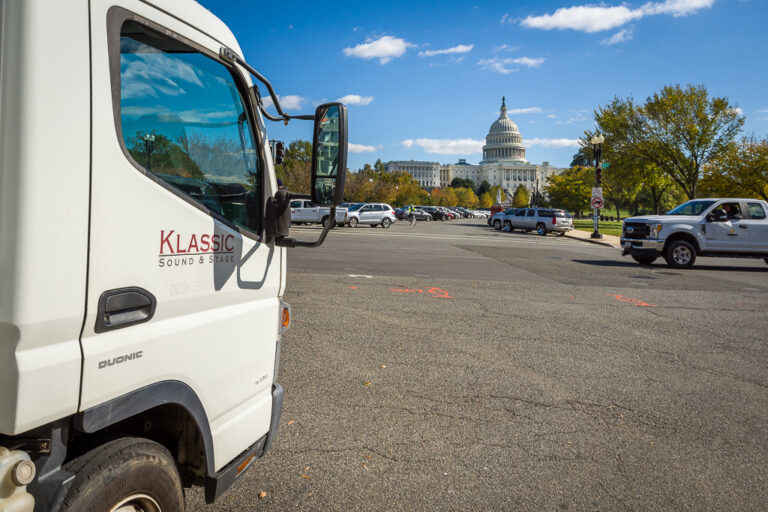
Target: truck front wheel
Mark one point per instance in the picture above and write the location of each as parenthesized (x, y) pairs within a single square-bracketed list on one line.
[(680, 254), (130, 473)]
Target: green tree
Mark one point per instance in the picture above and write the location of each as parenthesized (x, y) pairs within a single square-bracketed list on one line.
[(485, 200), (466, 197), (462, 182), (679, 130), (296, 168), (521, 196), (583, 158), (168, 157), (483, 188)]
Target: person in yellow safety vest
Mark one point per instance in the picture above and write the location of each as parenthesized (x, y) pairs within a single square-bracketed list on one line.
[(411, 214)]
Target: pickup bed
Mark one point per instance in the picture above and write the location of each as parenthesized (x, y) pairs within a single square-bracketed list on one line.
[(303, 211)]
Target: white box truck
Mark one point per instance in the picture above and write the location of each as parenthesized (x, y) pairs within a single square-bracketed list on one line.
[(142, 254)]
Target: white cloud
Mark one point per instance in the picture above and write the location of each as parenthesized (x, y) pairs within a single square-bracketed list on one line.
[(619, 37), (739, 111), (597, 18), (355, 99), (461, 48), (384, 48), (290, 102), (507, 66), (552, 143), (362, 148), (446, 146), (551, 116), (527, 110), (506, 48)]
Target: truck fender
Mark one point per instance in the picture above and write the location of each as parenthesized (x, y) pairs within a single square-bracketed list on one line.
[(143, 399)]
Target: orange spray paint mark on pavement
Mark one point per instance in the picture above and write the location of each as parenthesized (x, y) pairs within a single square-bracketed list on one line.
[(634, 302)]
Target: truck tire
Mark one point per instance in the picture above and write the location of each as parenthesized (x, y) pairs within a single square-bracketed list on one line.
[(353, 222), (680, 254), (130, 471), (644, 260), (324, 221)]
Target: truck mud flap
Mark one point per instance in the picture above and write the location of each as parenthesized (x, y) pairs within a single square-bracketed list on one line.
[(277, 408)]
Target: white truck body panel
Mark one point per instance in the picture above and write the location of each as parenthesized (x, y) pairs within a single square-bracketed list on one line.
[(215, 327), (44, 121)]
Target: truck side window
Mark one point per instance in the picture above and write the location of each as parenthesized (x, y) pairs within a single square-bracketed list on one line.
[(295, 204), (184, 121), (756, 211)]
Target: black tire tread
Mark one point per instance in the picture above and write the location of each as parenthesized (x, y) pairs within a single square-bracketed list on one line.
[(90, 467)]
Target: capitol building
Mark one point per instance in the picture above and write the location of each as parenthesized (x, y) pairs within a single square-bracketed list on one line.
[(503, 163)]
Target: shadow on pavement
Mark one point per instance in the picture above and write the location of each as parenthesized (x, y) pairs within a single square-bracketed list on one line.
[(614, 263)]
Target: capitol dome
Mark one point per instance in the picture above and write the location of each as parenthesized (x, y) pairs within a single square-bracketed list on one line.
[(503, 142)]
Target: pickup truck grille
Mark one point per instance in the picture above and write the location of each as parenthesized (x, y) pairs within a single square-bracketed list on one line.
[(636, 230)]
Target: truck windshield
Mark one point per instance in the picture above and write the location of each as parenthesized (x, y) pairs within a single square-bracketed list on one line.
[(696, 207)]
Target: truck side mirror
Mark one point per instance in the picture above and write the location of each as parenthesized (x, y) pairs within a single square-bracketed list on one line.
[(329, 154)]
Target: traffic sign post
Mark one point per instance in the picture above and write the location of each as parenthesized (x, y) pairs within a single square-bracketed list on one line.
[(597, 203)]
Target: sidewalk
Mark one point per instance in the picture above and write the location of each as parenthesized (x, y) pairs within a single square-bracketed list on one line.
[(607, 240)]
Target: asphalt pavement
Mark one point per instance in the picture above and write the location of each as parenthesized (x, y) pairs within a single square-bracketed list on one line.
[(448, 366)]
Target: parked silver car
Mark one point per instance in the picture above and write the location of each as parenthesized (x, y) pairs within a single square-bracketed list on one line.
[(373, 214), (501, 220), (542, 220)]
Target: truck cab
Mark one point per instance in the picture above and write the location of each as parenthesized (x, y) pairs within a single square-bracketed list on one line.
[(142, 258)]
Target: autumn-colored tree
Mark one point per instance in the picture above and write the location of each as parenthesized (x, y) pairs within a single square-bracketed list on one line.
[(466, 197), (485, 200), (572, 189), (521, 197), (742, 171)]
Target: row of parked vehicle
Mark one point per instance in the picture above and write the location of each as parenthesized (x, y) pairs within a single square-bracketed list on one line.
[(541, 220), (303, 211)]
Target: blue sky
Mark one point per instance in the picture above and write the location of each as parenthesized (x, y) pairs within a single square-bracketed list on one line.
[(424, 80)]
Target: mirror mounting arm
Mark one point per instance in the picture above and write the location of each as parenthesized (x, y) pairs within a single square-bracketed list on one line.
[(292, 242), (232, 56)]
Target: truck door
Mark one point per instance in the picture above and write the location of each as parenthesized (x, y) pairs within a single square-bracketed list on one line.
[(179, 286), (726, 236)]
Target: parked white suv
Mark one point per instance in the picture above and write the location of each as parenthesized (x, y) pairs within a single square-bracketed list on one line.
[(373, 214), (701, 227)]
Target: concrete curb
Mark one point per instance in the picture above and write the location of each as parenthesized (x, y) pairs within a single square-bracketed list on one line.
[(592, 241)]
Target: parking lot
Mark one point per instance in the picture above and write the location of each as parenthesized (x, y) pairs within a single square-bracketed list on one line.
[(449, 366)]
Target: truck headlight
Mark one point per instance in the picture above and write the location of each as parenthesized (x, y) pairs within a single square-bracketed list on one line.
[(655, 229)]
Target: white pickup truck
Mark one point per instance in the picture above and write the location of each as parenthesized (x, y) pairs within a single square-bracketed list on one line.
[(304, 211), (726, 227)]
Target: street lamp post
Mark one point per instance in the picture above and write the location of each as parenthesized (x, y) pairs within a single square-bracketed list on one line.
[(149, 144), (537, 194), (597, 148)]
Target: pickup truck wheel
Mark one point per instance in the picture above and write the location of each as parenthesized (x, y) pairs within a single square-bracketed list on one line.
[(385, 222), (126, 474), (680, 254), (541, 229), (644, 260), (353, 222), (324, 221)]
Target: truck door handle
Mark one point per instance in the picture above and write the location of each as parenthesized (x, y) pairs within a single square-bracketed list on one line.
[(123, 307), (743, 226)]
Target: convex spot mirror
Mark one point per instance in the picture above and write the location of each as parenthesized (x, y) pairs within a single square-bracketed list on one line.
[(329, 154)]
